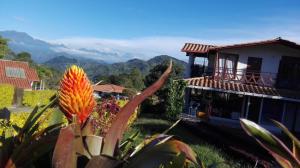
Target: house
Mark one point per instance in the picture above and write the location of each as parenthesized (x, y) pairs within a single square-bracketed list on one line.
[(256, 80), (105, 90), (18, 73)]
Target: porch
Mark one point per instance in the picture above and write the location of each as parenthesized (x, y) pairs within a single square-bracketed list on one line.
[(229, 102)]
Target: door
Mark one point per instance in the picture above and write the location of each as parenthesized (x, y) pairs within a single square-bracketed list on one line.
[(254, 109), (288, 76), (253, 70)]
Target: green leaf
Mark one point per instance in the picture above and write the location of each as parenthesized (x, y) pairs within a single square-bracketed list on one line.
[(295, 141), (115, 133), (150, 143), (177, 162), (172, 126), (271, 143), (127, 144), (162, 153)]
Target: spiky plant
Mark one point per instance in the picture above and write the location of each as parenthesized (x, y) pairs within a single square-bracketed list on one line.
[(287, 158), (76, 140)]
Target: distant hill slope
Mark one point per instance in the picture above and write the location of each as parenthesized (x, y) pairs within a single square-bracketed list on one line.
[(42, 51), (97, 68)]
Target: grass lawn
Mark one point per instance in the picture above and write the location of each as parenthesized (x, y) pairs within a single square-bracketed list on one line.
[(206, 153)]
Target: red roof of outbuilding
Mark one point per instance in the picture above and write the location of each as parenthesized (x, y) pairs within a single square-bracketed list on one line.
[(203, 48), (30, 74), (108, 88)]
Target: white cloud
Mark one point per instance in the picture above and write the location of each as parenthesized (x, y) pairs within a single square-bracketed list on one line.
[(147, 47), (19, 18)]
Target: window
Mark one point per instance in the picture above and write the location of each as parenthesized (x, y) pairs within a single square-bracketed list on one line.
[(227, 64), (15, 72)]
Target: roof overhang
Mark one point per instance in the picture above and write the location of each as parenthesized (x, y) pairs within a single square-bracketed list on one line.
[(207, 83), (204, 48)]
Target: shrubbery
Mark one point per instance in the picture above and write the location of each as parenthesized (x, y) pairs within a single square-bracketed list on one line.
[(37, 97), (18, 119), (6, 95)]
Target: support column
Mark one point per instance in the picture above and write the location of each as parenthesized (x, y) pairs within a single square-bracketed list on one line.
[(243, 112), (248, 104), (188, 71), (283, 112), (187, 97), (260, 110)]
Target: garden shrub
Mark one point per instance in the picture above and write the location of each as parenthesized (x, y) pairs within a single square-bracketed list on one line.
[(37, 97), (18, 119), (175, 99), (6, 95)]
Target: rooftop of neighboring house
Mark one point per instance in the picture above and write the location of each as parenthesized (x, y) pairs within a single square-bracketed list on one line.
[(17, 73), (204, 48), (108, 88)]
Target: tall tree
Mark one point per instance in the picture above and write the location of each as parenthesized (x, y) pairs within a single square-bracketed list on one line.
[(159, 102), (137, 79), (4, 49)]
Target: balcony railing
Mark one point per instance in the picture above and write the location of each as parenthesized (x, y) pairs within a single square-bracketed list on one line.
[(241, 76)]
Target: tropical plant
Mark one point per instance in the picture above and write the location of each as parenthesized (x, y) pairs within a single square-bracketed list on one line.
[(76, 141), (175, 99), (287, 158), (30, 142)]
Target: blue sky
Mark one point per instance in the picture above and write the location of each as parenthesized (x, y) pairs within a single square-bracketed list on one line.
[(122, 23)]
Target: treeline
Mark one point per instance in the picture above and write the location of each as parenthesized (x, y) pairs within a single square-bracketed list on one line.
[(50, 75)]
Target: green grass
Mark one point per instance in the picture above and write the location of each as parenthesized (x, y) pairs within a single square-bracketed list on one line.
[(207, 153)]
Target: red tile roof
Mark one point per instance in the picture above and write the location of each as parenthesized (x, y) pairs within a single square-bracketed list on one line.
[(196, 48), (108, 88), (25, 83), (208, 83), (201, 48)]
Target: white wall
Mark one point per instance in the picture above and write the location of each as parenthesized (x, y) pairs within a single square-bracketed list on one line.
[(270, 54)]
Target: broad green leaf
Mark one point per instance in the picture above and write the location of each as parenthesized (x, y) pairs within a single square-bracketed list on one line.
[(162, 154), (173, 125), (150, 142), (35, 149), (115, 133), (127, 145), (271, 143), (177, 162), (295, 141)]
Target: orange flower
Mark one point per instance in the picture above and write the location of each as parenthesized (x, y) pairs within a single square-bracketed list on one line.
[(76, 95)]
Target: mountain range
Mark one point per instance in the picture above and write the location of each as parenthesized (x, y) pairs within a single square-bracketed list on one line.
[(99, 68), (42, 51), (93, 61)]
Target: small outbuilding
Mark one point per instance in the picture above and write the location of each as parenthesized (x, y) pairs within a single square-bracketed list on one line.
[(106, 90)]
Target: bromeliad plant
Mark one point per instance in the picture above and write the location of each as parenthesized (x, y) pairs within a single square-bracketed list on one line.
[(31, 142), (286, 157), (78, 141)]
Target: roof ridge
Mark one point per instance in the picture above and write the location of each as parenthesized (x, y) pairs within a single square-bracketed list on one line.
[(15, 61)]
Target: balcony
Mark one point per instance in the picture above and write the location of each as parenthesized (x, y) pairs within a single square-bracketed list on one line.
[(237, 75)]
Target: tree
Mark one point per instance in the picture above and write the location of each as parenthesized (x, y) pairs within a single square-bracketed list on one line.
[(4, 49), (137, 79), (24, 56), (175, 99), (158, 102)]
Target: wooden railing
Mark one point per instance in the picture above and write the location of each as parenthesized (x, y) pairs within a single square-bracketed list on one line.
[(243, 76)]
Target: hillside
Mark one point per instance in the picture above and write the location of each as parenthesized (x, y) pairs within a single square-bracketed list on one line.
[(94, 68)]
